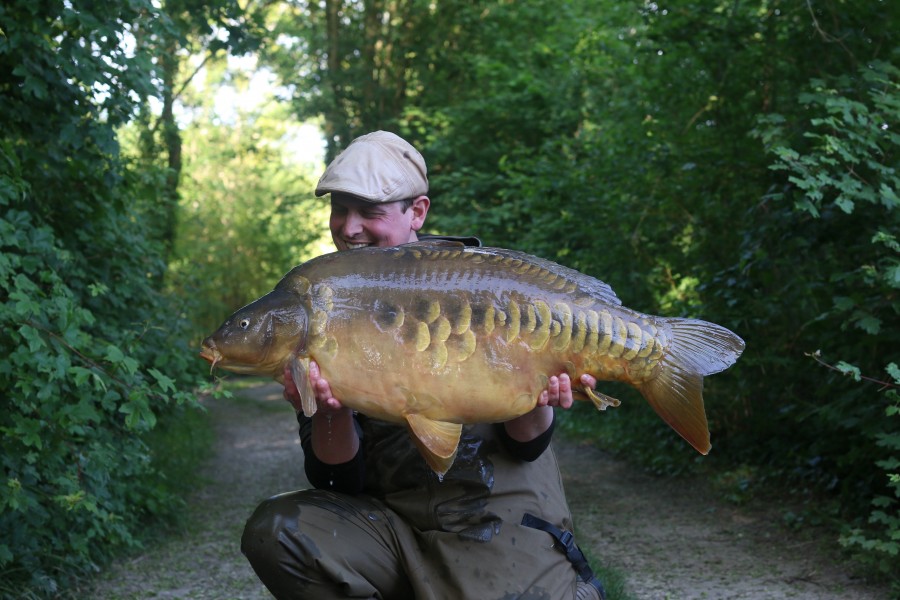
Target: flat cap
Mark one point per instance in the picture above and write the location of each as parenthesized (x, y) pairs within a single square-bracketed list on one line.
[(377, 167)]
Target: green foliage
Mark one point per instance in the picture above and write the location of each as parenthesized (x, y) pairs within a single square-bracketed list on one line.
[(843, 183), (246, 213), (854, 168), (880, 541), (92, 355), (79, 397)]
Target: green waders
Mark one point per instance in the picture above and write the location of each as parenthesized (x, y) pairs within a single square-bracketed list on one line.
[(414, 536)]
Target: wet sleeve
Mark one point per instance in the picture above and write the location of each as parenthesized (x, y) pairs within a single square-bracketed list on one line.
[(527, 451), (347, 478)]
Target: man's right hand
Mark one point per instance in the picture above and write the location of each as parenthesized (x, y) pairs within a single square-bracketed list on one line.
[(325, 402), (334, 436)]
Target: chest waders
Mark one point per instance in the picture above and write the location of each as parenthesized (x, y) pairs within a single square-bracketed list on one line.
[(565, 543)]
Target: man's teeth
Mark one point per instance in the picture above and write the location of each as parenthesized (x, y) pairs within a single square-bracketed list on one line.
[(355, 246)]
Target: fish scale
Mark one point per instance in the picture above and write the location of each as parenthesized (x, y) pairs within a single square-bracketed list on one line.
[(435, 337)]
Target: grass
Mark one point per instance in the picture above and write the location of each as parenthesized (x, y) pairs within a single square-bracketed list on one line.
[(613, 579), (178, 445)]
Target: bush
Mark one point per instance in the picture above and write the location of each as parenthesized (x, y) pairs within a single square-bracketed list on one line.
[(87, 365)]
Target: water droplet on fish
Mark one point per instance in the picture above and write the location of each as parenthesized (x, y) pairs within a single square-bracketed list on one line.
[(372, 517)]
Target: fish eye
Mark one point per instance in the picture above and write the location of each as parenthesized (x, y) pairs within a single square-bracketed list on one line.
[(245, 323)]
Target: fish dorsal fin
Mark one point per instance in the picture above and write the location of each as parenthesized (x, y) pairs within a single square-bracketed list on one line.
[(300, 374), (436, 440), (437, 242)]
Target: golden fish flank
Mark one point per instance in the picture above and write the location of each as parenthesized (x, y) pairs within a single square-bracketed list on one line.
[(445, 330), (433, 337)]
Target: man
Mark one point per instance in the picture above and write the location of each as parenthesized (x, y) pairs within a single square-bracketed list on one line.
[(380, 523)]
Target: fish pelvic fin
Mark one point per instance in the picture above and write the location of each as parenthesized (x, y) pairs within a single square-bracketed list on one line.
[(300, 375), (696, 348), (437, 441), (600, 400)]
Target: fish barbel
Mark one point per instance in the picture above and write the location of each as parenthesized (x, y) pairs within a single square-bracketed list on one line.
[(436, 336)]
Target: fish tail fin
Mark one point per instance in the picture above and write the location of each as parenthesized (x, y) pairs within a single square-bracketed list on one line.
[(696, 348)]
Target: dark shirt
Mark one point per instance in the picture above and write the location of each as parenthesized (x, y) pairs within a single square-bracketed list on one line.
[(350, 477)]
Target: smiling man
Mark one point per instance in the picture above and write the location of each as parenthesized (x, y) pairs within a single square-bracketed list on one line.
[(358, 223), (380, 523), (378, 188)]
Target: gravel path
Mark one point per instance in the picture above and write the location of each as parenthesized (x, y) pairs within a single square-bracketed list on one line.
[(257, 454), (673, 540)]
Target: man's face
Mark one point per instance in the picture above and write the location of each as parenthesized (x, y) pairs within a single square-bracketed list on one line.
[(356, 223)]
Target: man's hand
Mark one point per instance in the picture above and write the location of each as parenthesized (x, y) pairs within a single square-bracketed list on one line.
[(534, 423), (559, 391), (334, 437), (325, 402)]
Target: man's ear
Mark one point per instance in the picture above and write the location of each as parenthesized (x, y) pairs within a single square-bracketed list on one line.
[(419, 210)]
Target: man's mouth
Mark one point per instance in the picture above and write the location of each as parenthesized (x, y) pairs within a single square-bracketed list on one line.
[(355, 245)]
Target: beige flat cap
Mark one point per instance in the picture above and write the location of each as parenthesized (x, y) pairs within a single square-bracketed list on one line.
[(378, 167)]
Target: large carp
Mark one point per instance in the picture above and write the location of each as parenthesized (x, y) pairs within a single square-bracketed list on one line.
[(436, 336)]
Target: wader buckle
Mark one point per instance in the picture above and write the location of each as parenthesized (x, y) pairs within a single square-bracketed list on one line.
[(566, 544)]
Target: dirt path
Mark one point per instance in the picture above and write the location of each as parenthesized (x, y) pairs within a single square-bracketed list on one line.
[(676, 541), (673, 541)]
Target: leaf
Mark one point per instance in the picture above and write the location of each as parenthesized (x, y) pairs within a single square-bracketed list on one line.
[(843, 303), (114, 354), (848, 369), (165, 383), (894, 371), (29, 432), (845, 204), (36, 343), (869, 324)]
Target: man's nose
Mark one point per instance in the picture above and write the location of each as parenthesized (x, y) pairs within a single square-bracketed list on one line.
[(353, 223)]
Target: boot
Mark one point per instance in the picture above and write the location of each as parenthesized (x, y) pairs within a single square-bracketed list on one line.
[(585, 591)]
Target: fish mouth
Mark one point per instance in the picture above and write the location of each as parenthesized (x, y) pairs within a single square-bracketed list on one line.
[(211, 354)]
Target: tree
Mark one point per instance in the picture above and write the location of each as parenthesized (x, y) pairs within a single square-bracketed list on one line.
[(210, 29), (246, 213)]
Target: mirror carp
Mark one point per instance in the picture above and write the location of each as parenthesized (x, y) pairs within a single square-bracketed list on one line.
[(435, 336)]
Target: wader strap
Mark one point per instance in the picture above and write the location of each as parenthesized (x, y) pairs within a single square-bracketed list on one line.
[(566, 544)]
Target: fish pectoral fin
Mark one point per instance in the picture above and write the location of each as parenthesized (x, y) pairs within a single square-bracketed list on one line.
[(600, 400), (436, 440), (300, 374)]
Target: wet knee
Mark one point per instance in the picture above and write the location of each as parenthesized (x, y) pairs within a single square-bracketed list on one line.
[(264, 527)]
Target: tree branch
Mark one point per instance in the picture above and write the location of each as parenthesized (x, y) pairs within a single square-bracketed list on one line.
[(885, 385)]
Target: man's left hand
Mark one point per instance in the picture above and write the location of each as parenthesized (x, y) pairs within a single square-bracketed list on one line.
[(538, 420)]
